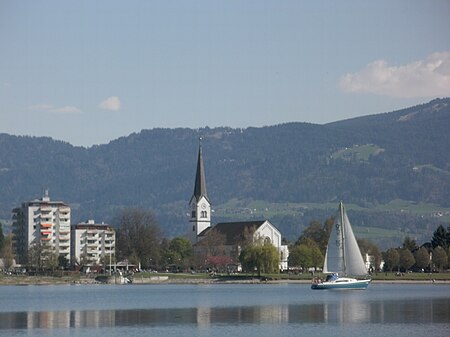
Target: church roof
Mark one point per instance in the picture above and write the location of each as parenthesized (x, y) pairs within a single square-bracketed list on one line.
[(234, 231), (200, 181)]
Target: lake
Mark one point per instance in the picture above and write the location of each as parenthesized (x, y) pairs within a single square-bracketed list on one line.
[(224, 310)]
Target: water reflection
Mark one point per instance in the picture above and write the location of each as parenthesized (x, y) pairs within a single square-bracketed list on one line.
[(338, 312)]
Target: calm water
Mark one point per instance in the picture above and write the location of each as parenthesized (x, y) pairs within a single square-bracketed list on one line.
[(223, 310)]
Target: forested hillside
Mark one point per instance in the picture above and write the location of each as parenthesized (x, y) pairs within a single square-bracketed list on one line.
[(366, 161)]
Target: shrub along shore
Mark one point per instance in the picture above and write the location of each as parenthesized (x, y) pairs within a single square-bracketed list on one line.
[(187, 278)]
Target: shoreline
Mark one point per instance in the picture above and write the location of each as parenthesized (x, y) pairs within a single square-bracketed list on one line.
[(43, 280)]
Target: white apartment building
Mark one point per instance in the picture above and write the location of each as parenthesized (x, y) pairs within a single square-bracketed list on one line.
[(91, 242), (44, 223)]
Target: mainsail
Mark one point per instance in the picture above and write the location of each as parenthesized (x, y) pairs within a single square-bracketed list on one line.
[(343, 255)]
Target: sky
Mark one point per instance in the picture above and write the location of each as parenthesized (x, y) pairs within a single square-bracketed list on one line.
[(88, 72)]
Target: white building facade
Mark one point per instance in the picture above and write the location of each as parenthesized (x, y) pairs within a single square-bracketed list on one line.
[(92, 244), (44, 223)]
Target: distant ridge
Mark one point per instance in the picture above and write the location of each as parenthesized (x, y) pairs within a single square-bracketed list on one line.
[(400, 155)]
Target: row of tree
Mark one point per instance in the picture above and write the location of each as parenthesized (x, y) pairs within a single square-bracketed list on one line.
[(309, 251), (431, 256), (140, 241)]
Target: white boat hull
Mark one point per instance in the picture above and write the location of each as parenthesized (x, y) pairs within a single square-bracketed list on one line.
[(342, 283)]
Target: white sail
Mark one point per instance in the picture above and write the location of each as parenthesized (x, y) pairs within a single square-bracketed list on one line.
[(354, 263), (334, 257), (343, 255)]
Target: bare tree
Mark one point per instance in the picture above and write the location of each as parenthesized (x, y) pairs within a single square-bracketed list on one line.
[(212, 245), (42, 256), (138, 237)]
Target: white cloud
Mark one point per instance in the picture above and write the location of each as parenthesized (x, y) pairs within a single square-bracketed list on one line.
[(111, 103), (67, 109), (424, 78)]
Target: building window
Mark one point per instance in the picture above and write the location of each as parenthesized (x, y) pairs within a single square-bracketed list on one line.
[(193, 214), (193, 228), (204, 214)]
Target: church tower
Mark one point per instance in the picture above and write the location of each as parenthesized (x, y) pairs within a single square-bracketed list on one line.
[(199, 204)]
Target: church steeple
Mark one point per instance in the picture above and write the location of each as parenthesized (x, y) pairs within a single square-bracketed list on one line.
[(200, 205), (200, 182)]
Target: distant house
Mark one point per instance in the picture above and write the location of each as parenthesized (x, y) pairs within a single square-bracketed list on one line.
[(233, 234)]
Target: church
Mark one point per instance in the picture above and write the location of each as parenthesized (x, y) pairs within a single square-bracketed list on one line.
[(232, 233)]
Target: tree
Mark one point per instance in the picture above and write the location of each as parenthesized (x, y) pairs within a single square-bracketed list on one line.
[(300, 256), (391, 259), (368, 247), (263, 258), (317, 233), (63, 262), (212, 245), (440, 238), (2, 239), (178, 251), (213, 242), (440, 258), (42, 256), (7, 252), (406, 259), (409, 244), (448, 237), (317, 257), (138, 237), (422, 258)]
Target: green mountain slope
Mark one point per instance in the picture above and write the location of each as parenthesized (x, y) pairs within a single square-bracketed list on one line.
[(366, 161)]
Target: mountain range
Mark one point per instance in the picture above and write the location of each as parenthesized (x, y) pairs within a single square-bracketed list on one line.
[(383, 159)]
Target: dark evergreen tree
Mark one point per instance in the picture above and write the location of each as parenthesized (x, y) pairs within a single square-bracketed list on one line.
[(409, 244), (439, 238), (2, 238)]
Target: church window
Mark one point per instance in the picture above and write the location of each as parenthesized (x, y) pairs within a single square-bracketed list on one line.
[(193, 214), (204, 214), (193, 228), (267, 240)]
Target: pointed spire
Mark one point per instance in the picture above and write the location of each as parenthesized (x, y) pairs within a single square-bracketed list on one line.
[(200, 181)]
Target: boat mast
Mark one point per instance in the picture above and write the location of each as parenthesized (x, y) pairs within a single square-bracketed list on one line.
[(341, 209)]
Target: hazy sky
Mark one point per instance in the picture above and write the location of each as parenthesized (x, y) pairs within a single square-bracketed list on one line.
[(88, 72)]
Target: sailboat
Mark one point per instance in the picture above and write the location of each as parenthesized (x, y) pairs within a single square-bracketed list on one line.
[(343, 258)]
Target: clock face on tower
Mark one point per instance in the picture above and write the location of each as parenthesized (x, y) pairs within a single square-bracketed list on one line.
[(203, 205)]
